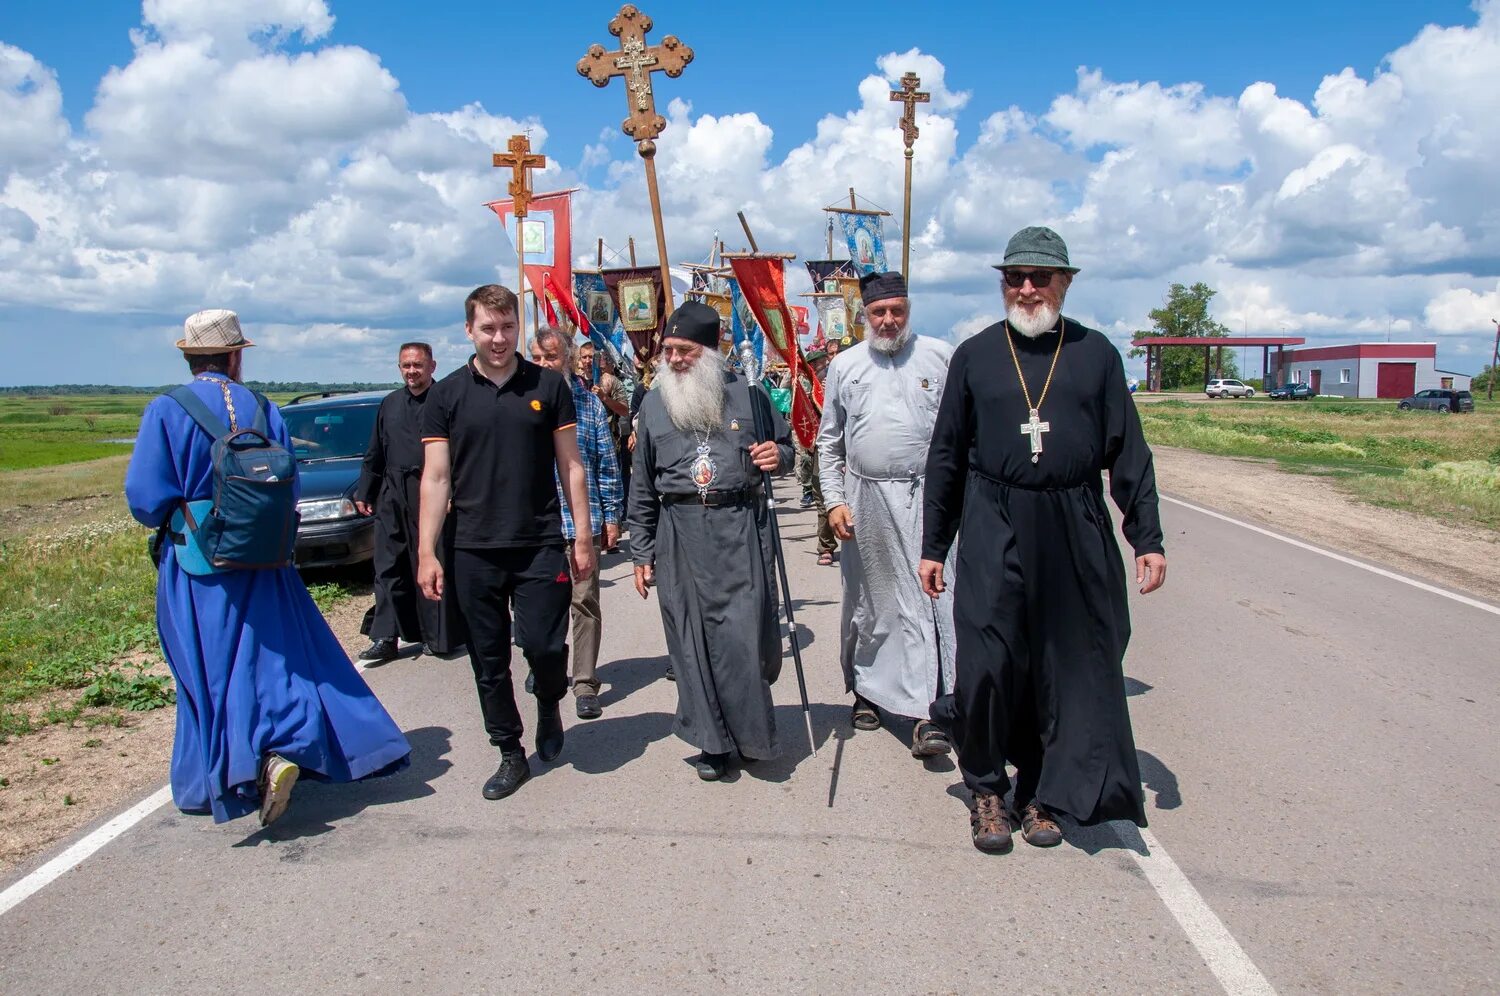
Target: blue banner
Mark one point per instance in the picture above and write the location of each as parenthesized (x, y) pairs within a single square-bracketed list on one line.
[(866, 243), (599, 311), (744, 325)]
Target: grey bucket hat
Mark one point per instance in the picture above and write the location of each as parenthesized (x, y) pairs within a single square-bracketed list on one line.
[(1037, 246)]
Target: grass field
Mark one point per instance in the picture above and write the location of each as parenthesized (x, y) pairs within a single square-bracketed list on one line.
[(77, 592), (1447, 466)]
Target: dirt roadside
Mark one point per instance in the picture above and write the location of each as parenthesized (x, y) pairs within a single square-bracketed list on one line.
[(101, 769)]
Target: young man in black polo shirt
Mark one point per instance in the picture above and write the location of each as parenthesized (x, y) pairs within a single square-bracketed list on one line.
[(491, 432)]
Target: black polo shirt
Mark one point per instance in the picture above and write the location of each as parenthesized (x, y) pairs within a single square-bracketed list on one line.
[(500, 453)]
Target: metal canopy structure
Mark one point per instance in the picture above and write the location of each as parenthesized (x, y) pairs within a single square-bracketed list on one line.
[(1155, 343)]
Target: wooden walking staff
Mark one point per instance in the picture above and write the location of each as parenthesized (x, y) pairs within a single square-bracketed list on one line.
[(520, 160), (636, 61), (911, 97)]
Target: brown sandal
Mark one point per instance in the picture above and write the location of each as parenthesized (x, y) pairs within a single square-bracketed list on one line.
[(864, 715)]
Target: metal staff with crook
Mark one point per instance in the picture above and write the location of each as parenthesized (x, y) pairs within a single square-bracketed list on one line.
[(764, 431)]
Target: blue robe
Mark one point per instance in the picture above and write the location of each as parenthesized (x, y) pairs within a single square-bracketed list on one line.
[(258, 670)]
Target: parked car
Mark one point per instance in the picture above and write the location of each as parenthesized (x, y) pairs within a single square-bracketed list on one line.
[(1221, 387), (329, 437), (1439, 399), (1291, 392)]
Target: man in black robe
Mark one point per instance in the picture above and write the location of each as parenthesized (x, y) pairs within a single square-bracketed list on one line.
[(1034, 409), (389, 489), (700, 527)]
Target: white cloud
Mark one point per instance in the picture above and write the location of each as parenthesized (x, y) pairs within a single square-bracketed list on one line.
[(244, 158)]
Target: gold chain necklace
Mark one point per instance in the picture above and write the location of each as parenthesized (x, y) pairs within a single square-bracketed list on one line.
[(228, 401), (1034, 426)]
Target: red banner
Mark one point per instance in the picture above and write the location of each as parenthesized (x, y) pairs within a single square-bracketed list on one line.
[(547, 237), (762, 284)]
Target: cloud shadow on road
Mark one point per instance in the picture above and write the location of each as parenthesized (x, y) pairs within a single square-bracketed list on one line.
[(316, 807)]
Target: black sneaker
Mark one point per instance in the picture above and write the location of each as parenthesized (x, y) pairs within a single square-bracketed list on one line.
[(511, 775), (588, 707), (380, 651), (549, 731)]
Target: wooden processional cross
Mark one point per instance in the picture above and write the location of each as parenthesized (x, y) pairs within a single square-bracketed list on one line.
[(521, 161), (636, 61), (911, 97)]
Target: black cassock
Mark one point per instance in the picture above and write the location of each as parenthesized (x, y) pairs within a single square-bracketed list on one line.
[(1040, 611), (391, 482)]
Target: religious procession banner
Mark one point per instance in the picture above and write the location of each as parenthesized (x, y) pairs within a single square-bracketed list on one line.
[(742, 324), (762, 283), (825, 273), (854, 308), (598, 310), (866, 243), (640, 300), (724, 305), (833, 317), (547, 239)]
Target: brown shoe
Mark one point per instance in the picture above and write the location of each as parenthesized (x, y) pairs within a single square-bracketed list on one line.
[(1038, 828), (928, 740), (990, 824)]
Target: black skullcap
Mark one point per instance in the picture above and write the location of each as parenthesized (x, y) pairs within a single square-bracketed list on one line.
[(695, 322), (880, 286)]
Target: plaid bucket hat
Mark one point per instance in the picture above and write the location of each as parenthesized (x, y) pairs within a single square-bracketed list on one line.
[(213, 331)]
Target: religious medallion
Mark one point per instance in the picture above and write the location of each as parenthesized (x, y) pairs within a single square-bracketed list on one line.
[(704, 471)]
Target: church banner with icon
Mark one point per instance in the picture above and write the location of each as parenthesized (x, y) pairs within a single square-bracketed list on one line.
[(640, 302), (598, 312), (763, 285), (546, 237), (866, 242)]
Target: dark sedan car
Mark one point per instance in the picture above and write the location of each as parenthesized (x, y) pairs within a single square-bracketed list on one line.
[(1291, 392), (329, 437), (1439, 399)]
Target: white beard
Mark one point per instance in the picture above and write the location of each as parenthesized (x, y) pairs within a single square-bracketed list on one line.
[(1038, 322), (695, 399), (892, 345)]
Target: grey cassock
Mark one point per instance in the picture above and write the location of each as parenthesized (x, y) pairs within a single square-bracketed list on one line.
[(715, 576), (878, 413)]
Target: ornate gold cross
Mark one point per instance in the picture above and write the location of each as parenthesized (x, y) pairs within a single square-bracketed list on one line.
[(521, 161), (636, 61), (911, 97)]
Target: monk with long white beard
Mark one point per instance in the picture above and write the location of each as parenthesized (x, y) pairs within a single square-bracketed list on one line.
[(1034, 411), (699, 528)]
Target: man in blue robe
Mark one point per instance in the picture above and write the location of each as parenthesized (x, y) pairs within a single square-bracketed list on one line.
[(265, 692)]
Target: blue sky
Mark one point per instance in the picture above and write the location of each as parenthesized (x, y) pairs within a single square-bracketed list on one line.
[(1168, 158)]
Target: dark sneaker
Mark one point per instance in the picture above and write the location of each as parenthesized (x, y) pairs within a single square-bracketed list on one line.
[(711, 767), (549, 731), (1038, 828), (588, 707), (990, 824), (807, 499), (511, 775), (379, 652), (928, 740)]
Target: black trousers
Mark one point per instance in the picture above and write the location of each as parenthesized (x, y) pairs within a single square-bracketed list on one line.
[(400, 610), (535, 583)]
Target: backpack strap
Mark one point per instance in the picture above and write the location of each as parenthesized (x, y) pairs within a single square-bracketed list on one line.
[(200, 412), (261, 424)]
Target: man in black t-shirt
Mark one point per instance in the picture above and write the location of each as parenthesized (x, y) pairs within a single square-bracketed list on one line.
[(492, 432)]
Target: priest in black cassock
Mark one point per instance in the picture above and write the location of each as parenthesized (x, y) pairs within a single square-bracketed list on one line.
[(699, 526), (389, 489), (1034, 410)]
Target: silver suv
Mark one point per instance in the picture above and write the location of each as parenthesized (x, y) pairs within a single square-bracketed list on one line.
[(1221, 387)]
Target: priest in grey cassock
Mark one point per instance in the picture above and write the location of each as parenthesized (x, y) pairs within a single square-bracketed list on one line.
[(1034, 412), (700, 527), (880, 401)]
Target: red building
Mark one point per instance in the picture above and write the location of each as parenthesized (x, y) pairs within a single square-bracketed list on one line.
[(1364, 370)]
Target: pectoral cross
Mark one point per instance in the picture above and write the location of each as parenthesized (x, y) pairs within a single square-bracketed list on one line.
[(1034, 427), (520, 159), (636, 61)]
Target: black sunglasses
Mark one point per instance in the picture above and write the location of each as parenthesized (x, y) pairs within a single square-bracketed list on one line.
[(1018, 278)]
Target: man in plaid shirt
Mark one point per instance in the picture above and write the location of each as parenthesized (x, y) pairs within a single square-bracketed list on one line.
[(553, 348)]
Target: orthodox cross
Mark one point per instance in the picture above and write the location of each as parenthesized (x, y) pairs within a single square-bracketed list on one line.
[(635, 62), (521, 161), (911, 97), (1034, 427)]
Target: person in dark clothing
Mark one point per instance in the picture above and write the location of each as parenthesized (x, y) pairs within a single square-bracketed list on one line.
[(1035, 408), (389, 488), (493, 431)]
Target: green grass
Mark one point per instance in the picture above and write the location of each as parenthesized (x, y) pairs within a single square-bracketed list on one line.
[(46, 431), (1447, 466)]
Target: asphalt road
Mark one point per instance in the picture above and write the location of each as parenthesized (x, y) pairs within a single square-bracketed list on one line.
[(1317, 743)]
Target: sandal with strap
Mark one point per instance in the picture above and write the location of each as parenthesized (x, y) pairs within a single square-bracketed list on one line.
[(825, 559), (929, 740), (864, 715)]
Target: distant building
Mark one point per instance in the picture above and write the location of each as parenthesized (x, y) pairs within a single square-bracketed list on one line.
[(1365, 370)]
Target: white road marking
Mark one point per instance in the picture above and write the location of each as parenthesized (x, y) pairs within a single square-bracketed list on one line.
[(1216, 945), (1424, 586), (75, 855)]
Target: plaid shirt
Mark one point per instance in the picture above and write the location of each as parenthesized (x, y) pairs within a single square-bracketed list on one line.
[(600, 465)]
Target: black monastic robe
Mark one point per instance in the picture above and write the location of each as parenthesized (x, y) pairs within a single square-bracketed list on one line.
[(1040, 608), (715, 572), (391, 482)]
